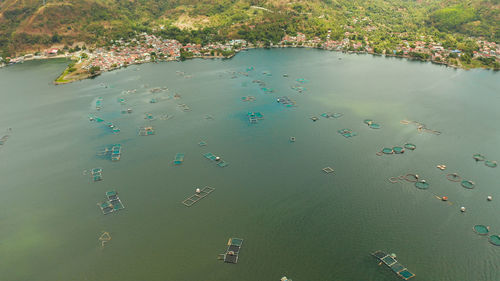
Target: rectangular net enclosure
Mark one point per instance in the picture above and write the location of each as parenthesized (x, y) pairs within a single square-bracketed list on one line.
[(191, 200), (179, 158), (233, 250), (393, 264)]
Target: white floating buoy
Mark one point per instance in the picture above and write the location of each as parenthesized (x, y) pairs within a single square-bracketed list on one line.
[(198, 190), (217, 158), (489, 198), (462, 209)]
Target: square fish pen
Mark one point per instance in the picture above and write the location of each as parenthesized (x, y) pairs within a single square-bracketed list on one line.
[(233, 250), (116, 152), (179, 158), (393, 264), (219, 162), (146, 131), (96, 174), (328, 170), (113, 203), (348, 133), (191, 200), (254, 117), (286, 101)]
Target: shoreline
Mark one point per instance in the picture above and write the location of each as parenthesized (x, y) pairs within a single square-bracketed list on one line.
[(87, 75), (282, 47)]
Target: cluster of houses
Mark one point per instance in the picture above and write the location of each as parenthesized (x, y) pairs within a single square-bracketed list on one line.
[(433, 50), (487, 49), (146, 48), (122, 53)]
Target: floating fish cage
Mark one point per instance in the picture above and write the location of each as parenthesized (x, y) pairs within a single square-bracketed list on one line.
[(248, 98), (397, 149), (481, 229), (479, 157), (267, 90), (233, 250), (420, 127), (112, 152), (191, 200), (219, 162), (348, 133), (254, 117), (179, 158), (122, 101), (96, 174), (98, 103), (301, 80), (495, 240), (393, 264), (112, 204), (328, 170), (149, 116), (93, 118), (298, 89), (370, 123), (468, 184), (411, 177), (202, 143), (146, 131), (491, 164), (184, 107), (113, 127), (410, 146), (286, 101), (4, 139), (331, 115), (387, 150), (422, 184), (454, 177)]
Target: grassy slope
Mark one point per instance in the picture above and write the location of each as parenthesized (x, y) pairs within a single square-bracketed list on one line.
[(26, 24)]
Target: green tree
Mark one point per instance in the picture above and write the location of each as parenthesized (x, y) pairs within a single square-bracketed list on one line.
[(94, 70)]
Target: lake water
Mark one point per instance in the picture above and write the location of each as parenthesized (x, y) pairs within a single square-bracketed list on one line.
[(295, 219)]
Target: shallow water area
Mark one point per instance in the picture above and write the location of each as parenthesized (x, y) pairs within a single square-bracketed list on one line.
[(296, 220)]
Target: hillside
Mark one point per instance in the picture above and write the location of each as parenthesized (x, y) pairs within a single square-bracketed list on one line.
[(29, 25)]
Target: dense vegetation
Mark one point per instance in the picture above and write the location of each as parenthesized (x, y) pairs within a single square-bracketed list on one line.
[(28, 25)]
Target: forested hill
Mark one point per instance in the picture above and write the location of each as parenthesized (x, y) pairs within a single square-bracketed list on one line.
[(32, 24)]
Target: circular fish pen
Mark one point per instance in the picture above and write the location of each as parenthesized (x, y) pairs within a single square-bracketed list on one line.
[(387, 150), (410, 146), (398, 149), (454, 177), (422, 184), (491, 164), (468, 184), (495, 240), (481, 229), (479, 157), (394, 179), (411, 178)]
